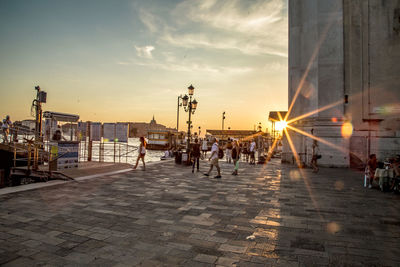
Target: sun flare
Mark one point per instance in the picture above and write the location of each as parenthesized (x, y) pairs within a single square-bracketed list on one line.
[(280, 125)]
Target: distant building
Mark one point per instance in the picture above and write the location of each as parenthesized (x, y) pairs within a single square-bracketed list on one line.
[(345, 53), (31, 124), (224, 134), (137, 129)]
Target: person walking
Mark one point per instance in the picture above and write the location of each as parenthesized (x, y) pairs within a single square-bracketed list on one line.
[(228, 151), (253, 152), (315, 156), (5, 127), (195, 154), (246, 151), (204, 147), (214, 159), (142, 153), (235, 157), (370, 170)]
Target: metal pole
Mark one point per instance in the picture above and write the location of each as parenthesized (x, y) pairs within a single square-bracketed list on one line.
[(189, 123), (90, 143), (15, 155), (100, 150), (177, 116), (223, 118), (114, 150), (29, 156)]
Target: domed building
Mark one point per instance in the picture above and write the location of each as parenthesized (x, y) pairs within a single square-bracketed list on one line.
[(153, 122), (138, 129)]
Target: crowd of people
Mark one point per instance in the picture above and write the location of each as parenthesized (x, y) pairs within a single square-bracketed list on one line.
[(384, 175), (233, 150)]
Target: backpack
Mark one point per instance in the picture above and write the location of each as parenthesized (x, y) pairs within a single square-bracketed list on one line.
[(220, 153)]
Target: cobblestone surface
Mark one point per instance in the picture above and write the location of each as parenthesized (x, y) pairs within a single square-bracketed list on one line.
[(272, 215)]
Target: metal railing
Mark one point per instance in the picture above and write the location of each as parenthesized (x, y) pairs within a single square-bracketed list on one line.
[(34, 151), (116, 152), (32, 154)]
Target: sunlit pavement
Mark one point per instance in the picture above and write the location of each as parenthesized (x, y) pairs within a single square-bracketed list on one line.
[(269, 215)]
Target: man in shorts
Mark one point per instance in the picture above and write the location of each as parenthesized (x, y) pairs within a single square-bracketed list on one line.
[(214, 159), (252, 152)]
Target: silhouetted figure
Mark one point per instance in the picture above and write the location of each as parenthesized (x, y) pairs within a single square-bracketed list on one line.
[(195, 154)]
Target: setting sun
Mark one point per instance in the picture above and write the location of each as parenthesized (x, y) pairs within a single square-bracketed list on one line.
[(281, 125)]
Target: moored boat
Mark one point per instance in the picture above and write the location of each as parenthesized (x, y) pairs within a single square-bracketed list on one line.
[(158, 140)]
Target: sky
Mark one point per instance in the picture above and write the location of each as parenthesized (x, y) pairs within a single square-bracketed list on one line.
[(129, 60)]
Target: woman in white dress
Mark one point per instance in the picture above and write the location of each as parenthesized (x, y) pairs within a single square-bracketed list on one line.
[(142, 153)]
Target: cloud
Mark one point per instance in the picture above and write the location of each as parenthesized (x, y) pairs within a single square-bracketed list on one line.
[(253, 47), (253, 28), (249, 32), (169, 62), (124, 63), (237, 15), (194, 67), (149, 20), (144, 51)]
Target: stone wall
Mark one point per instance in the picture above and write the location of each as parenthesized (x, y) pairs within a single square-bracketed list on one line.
[(345, 50)]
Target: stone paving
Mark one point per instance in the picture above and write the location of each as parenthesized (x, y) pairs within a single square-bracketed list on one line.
[(272, 215)]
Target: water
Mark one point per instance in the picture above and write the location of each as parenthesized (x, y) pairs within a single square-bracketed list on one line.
[(151, 155), (108, 151), (124, 153)]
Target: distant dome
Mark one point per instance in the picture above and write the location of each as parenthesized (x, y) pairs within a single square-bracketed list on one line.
[(153, 121)]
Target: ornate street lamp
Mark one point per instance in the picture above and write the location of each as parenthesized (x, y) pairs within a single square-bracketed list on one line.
[(259, 127), (223, 119), (185, 100), (190, 106), (191, 90), (177, 113), (194, 105)]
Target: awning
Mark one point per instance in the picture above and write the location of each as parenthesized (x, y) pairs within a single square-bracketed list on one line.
[(64, 117), (273, 115)]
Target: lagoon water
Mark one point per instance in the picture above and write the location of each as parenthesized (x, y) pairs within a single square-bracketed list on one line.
[(124, 152)]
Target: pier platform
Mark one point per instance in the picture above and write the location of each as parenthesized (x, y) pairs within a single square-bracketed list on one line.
[(271, 215), (94, 168), (83, 169)]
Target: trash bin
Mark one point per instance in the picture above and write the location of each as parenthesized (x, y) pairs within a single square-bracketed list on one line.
[(178, 157), (2, 180)]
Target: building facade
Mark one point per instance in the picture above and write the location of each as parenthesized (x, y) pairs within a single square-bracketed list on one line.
[(137, 129), (344, 61)]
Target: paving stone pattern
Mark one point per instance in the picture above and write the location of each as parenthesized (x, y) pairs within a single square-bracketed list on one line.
[(271, 215)]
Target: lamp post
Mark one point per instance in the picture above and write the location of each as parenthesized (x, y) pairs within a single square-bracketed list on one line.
[(177, 116), (189, 106), (223, 118)]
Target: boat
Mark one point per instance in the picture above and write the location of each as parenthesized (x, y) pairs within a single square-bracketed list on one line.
[(159, 140)]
